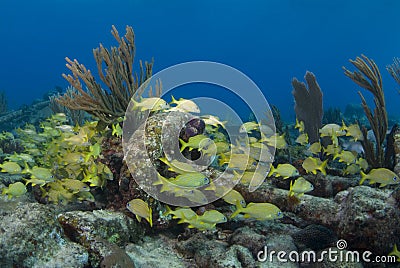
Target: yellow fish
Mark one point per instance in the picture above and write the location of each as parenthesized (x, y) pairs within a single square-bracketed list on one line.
[(299, 125), (39, 173), (395, 252), (14, 190), (184, 105), (302, 139), (383, 176), (258, 211), (213, 121), (192, 179), (178, 167), (75, 185), (196, 142), (277, 141), (212, 216), (116, 130), (331, 129), (352, 169), (362, 163), (312, 164), (233, 196), (180, 213), (153, 104), (248, 127), (300, 187), (315, 148), (141, 210), (193, 195), (331, 149), (10, 167), (241, 161), (346, 157), (353, 131), (283, 170)]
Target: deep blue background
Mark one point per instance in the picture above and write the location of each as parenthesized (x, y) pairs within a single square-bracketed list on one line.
[(271, 41)]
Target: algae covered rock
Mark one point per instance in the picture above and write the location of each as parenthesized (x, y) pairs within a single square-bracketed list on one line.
[(102, 233), (31, 236), (369, 219), (156, 252)]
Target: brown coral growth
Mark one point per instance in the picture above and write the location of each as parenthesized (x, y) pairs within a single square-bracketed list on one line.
[(117, 75)]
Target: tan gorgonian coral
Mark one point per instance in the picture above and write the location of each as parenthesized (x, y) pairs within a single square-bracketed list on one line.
[(117, 75)]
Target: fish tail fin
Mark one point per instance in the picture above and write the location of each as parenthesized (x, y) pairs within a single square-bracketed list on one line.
[(271, 171), (291, 193), (363, 177), (239, 209), (26, 169), (150, 217), (323, 167), (184, 144), (174, 101), (168, 211), (135, 104)]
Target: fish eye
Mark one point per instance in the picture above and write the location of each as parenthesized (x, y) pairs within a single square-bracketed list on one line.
[(242, 202), (394, 178), (279, 213), (206, 180)]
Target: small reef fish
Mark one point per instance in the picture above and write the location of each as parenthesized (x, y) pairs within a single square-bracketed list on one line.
[(353, 131), (75, 185), (212, 216), (299, 125), (141, 210), (312, 164), (352, 169), (14, 190), (283, 170), (248, 127), (196, 142), (383, 176), (276, 140), (178, 167), (39, 173), (331, 149), (300, 187), (153, 104), (240, 161), (218, 147), (395, 252), (248, 177), (213, 121), (65, 128), (362, 163), (331, 129), (315, 148), (11, 167), (193, 195), (302, 139), (184, 105), (25, 158), (258, 211), (35, 182), (116, 130), (191, 179), (346, 157), (180, 213), (233, 196)]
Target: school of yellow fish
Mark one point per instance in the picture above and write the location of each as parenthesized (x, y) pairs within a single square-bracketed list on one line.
[(64, 162)]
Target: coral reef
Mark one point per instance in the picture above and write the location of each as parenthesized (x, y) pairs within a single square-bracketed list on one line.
[(369, 78), (118, 76), (308, 105)]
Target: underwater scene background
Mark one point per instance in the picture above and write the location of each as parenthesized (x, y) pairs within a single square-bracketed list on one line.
[(199, 134)]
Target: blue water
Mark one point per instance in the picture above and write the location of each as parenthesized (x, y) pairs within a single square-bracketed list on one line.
[(270, 41)]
